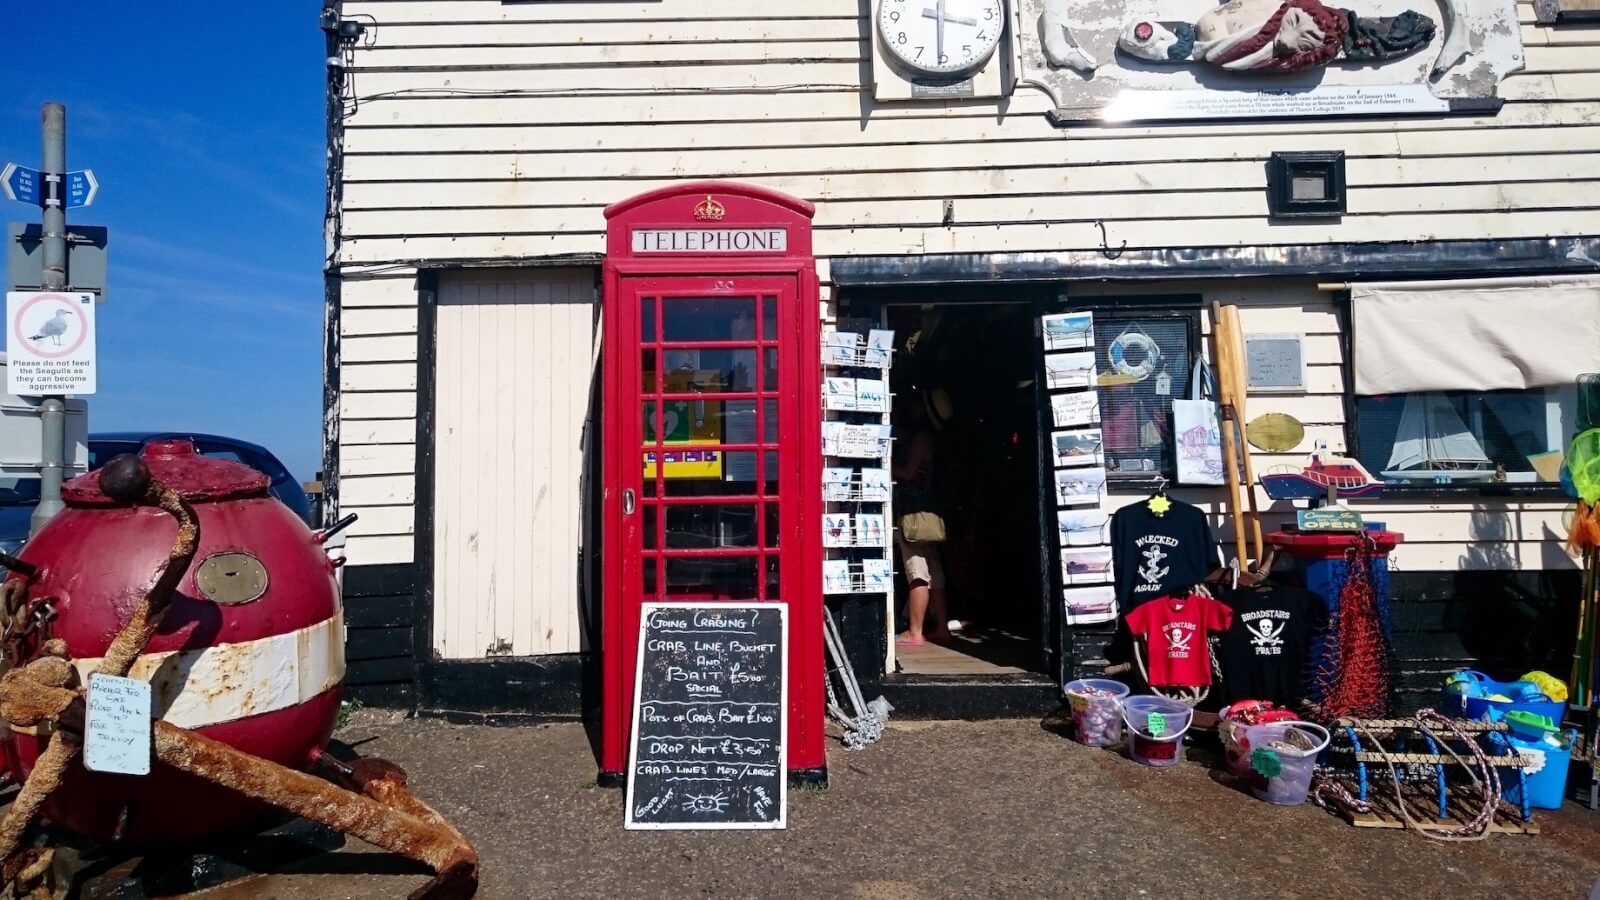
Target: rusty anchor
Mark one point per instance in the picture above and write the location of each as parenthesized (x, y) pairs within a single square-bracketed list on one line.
[(371, 802)]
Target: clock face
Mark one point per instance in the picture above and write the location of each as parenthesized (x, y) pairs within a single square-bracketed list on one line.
[(941, 37)]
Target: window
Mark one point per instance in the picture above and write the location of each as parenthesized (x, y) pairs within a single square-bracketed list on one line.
[(1143, 360), (1463, 437)]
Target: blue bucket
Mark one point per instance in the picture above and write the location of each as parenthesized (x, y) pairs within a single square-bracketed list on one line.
[(1476, 708), (1546, 787)]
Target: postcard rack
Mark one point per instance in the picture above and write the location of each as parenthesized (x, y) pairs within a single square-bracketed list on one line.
[(858, 534), (1078, 461)]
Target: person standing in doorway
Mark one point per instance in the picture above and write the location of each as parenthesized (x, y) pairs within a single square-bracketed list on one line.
[(920, 514)]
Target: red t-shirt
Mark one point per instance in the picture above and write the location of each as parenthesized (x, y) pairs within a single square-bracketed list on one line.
[(1175, 631)]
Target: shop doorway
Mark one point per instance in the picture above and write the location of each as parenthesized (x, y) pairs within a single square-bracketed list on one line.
[(972, 369)]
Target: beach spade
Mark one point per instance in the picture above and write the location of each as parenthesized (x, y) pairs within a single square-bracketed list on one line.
[(1275, 432)]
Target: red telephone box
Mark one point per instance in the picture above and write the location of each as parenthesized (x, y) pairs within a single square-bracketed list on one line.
[(713, 436)]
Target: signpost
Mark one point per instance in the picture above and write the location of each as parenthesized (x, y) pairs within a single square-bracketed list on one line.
[(50, 333), (50, 343), (21, 184), (710, 717)]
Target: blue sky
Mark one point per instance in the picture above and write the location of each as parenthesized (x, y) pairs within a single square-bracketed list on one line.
[(206, 132)]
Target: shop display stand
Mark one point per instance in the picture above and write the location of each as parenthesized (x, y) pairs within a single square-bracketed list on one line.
[(1077, 456), (867, 497)]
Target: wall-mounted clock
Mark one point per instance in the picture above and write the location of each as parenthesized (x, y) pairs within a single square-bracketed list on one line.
[(943, 49), (941, 37)]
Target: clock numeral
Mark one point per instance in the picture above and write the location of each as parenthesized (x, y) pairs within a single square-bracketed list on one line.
[(944, 58), (919, 53), (894, 15), (988, 15), (901, 39), (981, 35), (966, 51)]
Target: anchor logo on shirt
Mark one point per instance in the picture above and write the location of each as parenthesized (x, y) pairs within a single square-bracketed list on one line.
[(1152, 571)]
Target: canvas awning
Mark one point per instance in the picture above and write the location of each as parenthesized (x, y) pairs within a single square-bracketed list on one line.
[(1483, 335)]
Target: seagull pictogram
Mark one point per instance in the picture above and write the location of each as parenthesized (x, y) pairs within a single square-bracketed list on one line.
[(54, 327)]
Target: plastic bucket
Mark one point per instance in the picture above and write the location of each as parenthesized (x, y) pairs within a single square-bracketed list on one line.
[(1547, 783), (1096, 705), (1235, 755), (1476, 708), (1156, 727), (1282, 756)]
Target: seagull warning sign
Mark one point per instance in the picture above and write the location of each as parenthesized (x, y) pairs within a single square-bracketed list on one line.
[(49, 343)]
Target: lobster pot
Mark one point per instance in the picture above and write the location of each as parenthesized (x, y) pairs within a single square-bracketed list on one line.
[(250, 652)]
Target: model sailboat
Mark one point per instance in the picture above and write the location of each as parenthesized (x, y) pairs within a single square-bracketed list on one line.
[(1432, 442)]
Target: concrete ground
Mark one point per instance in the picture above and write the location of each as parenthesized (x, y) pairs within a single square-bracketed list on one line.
[(946, 809)]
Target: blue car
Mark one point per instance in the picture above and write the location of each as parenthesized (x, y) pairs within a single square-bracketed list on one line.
[(18, 496)]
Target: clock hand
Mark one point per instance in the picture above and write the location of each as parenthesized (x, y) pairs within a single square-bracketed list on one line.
[(959, 20)]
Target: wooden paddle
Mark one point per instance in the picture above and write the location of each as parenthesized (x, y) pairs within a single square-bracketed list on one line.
[(1230, 317), (1221, 352)]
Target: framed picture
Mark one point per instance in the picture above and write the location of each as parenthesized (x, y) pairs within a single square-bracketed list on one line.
[(1091, 565), (1068, 331), (1078, 408), (1081, 447), (1081, 527)]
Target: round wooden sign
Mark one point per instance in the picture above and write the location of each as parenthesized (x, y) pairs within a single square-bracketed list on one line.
[(1275, 432)]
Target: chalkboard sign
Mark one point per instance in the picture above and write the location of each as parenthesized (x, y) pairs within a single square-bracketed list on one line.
[(710, 704), (1275, 362)]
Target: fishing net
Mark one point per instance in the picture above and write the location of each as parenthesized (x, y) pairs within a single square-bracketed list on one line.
[(1356, 677)]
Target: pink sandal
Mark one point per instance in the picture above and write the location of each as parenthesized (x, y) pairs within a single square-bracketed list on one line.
[(906, 640)]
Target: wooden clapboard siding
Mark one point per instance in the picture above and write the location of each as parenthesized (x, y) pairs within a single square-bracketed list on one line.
[(377, 415), (513, 376), (492, 130)]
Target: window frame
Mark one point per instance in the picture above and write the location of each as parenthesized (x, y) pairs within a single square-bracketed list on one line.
[(1423, 490), (1175, 306)]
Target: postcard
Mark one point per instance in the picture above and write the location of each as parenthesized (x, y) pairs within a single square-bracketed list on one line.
[(1088, 566), (871, 530), (1080, 487), (1088, 605), (836, 576), (1069, 370), (837, 484), (1076, 408), (880, 347), (840, 348), (1081, 527), (879, 575), (839, 394), (1081, 447), (836, 530), (875, 486), (1068, 331), (872, 395), (859, 441)]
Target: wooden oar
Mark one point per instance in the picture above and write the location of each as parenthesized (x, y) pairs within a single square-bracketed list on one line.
[(1230, 317), (1220, 353)]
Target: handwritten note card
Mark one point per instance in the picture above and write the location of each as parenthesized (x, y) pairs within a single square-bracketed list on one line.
[(117, 734)]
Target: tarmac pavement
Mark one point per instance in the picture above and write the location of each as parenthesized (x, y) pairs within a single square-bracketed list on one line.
[(937, 809)]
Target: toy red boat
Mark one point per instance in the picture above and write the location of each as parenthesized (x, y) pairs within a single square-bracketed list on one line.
[(1323, 471)]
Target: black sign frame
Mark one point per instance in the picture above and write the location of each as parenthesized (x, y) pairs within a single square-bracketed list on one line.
[(709, 801)]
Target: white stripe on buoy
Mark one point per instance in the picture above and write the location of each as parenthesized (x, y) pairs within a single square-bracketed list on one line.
[(212, 685)]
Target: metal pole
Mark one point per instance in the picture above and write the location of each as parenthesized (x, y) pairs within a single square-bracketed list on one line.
[(53, 410)]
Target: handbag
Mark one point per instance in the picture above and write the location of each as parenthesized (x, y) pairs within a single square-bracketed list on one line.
[(922, 528), (1197, 435)]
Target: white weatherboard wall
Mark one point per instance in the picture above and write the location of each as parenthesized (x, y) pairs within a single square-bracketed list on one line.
[(488, 130), (514, 367)]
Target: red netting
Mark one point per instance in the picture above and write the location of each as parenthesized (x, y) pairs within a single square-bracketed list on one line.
[(1357, 678)]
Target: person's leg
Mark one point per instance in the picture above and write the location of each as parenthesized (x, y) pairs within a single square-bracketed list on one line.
[(919, 578)]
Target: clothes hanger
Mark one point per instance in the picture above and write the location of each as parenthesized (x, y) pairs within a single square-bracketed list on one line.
[(1159, 502)]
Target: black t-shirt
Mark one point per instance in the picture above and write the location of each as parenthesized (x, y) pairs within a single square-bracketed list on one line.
[(1266, 652), (1158, 555)]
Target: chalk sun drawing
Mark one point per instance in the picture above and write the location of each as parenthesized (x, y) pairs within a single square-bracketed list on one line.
[(706, 803)]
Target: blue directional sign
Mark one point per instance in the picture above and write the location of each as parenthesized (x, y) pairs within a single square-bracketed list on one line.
[(81, 188), (21, 183)]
